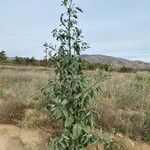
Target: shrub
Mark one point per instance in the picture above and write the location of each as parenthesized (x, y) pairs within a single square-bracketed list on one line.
[(70, 93), (125, 69)]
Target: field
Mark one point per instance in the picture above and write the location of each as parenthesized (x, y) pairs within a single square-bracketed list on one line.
[(122, 108)]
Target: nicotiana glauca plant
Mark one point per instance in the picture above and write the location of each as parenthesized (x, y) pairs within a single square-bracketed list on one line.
[(70, 94)]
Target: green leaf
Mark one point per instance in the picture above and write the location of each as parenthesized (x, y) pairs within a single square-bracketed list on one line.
[(65, 2), (75, 16), (77, 131), (66, 113), (79, 9), (69, 121)]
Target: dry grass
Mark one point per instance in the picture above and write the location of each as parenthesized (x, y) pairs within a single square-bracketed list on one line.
[(123, 104), (22, 85), (11, 112)]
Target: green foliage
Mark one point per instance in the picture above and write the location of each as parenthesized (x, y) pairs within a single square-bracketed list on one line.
[(94, 66), (1, 93), (3, 56), (76, 140), (146, 137), (25, 61), (70, 93), (125, 69)]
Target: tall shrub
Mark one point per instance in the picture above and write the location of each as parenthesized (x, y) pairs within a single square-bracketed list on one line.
[(70, 93)]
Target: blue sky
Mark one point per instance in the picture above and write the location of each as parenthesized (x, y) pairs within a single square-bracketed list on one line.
[(112, 27)]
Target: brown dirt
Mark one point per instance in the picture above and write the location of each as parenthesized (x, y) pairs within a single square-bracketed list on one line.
[(21, 139), (11, 144), (131, 145)]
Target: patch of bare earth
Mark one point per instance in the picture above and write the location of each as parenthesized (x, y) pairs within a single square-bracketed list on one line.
[(15, 138), (128, 145), (22, 128)]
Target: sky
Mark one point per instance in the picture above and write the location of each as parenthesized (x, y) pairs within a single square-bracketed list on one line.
[(118, 28)]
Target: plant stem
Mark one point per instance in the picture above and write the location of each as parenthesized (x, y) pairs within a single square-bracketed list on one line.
[(69, 29)]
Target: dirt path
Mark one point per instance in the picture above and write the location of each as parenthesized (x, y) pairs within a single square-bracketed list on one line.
[(136, 146), (15, 138)]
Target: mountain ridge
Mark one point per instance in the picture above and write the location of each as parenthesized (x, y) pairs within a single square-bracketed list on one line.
[(117, 61)]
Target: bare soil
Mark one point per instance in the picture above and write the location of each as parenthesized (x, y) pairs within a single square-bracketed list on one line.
[(15, 138)]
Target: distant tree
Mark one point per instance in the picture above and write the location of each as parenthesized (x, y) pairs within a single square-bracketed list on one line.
[(3, 55), (33, 61), (126, 69), (27, 61), (18, 60), (89, 66)]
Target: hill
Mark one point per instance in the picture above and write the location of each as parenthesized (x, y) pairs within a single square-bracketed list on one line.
[(118, 62)]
